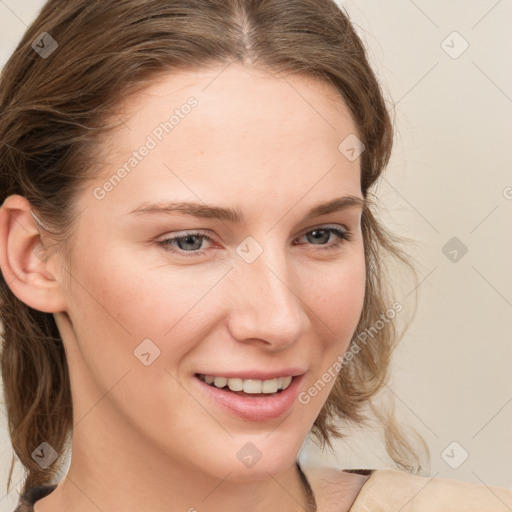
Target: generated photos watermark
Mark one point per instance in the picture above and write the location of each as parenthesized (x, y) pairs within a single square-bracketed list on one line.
[(354, 349)]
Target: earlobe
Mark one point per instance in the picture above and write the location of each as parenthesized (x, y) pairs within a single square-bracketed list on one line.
[(24, 258)]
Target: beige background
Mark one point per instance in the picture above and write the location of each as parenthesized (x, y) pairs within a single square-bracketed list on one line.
[(450, 176)]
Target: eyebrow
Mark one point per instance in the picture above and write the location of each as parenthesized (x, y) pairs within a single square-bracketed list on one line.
[(233, 215)]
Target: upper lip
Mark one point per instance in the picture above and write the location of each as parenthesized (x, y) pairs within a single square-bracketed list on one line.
[(255, 374)]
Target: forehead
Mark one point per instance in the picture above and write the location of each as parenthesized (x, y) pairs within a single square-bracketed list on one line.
[(234, 83), (236, 100), (234, 126)]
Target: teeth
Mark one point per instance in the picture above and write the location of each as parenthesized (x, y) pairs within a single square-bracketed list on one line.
[(236, 384), (269, 386), (286, 382), (250, 386), (220, 382)]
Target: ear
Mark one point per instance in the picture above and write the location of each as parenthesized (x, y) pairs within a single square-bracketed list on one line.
[(24, 258)]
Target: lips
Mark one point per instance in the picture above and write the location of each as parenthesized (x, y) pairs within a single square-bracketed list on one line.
[(255, 404)]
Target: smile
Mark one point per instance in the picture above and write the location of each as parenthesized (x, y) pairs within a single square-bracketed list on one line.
[(249, 386), (252, 399)]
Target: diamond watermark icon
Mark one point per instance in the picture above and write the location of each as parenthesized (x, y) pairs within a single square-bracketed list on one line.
[(45, 455), (249, 250), (146, 352), (454, 455), (454, 249), (454, 45), (351, 147), (44, 45), (249, 454)]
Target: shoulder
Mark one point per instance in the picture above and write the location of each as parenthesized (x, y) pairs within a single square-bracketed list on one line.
[(389, 490)]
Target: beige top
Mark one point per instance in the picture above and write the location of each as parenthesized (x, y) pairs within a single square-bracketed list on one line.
[(390, 490)]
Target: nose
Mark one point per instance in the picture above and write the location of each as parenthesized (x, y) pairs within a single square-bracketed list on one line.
[(268, 306)]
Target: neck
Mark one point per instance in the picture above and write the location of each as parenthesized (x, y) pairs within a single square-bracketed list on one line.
[(116, 471)]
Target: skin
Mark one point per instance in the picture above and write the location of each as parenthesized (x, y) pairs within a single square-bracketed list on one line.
[(267, 146)]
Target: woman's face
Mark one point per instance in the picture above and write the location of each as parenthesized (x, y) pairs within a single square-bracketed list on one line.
[(243, 284)]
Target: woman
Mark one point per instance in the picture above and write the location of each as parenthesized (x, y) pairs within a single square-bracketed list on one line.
[(189, 254)]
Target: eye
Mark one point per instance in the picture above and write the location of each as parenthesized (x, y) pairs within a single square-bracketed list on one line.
[(189, 242), (324, 233)]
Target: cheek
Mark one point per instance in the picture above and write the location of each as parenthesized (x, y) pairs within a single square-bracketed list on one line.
[(128, 300), (339, 300), (338, 309)]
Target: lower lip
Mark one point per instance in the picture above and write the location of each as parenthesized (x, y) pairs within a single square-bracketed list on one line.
[(259, 408)]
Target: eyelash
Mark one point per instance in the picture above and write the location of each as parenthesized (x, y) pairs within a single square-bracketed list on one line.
[(344, 236)]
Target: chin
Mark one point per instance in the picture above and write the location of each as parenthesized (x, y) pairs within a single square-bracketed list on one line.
[(254, 457)]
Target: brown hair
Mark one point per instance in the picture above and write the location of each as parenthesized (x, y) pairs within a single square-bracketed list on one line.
[(54, 111)]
